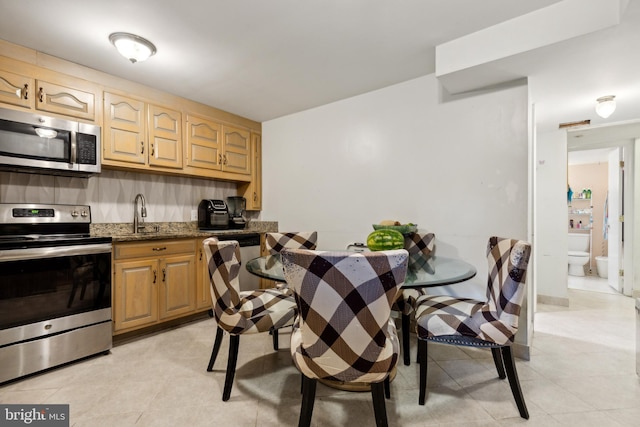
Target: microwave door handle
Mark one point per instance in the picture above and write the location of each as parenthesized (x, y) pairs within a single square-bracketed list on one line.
[(74, 147)]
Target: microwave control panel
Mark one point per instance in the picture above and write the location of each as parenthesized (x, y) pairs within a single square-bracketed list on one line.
[(86, 152)]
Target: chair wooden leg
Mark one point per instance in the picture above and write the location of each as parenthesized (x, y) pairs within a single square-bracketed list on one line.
[(497, 359), (387, 388), (512, 374), (216, 348), (422, 357), (274, 333), (231, 366), (379, 409), (406, 344), (308, 399)]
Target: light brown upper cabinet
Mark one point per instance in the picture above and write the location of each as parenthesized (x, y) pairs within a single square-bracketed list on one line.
[(124, 135), (217, 147), (236, 157), (64, 100), (203, 143), (165, 136), (138, 133), (16, 89), (37, 93), (252, 191)]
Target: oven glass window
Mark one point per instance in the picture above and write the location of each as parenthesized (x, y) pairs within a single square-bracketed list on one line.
[(42, 289)]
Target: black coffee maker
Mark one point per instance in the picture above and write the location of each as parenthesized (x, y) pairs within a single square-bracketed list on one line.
[(237, 206)]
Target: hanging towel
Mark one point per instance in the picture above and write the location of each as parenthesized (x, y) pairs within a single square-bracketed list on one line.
[(605, 219)]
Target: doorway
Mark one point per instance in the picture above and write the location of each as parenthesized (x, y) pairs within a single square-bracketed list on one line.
[(616, 150), (593, 197)]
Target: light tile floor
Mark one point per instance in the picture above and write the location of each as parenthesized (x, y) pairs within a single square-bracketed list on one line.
[(591, 283), (581, 372)]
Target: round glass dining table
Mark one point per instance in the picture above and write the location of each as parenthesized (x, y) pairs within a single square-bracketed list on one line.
[(421, 272)]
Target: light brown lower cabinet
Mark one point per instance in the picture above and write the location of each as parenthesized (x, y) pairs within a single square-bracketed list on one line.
[(154, 281), (203, 292)]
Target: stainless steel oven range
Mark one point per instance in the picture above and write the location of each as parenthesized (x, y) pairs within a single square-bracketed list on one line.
[(55, 288)]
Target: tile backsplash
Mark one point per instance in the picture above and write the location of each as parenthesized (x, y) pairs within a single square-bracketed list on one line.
[(111, 193)]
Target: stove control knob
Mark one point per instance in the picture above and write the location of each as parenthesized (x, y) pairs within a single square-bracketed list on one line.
[(74, 213), (84, 214)]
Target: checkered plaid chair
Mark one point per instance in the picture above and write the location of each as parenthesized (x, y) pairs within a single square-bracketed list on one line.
[(241, 312), (344, 331), (276, 242), (491, 324), (419, 246)]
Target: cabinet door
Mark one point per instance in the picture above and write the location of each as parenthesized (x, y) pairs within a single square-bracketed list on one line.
[(177, 293), (254, 191), (124, 129), (203, 143), (135, 294), (165, 137), (203, 292), (237, 148), (64, 100), (16, 90)]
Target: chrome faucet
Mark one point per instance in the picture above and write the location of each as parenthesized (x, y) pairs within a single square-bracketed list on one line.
[(143, 213)]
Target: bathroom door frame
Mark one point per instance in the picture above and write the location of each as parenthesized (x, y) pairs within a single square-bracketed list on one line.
[(627, 136), (614, 224)]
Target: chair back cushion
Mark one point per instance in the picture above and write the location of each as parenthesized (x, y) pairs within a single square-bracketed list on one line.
[(223, 258), (419, 245), (276, 242), (508, 260), (343, 331)]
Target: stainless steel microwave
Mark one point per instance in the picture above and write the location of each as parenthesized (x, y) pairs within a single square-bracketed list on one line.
[(32, 142)]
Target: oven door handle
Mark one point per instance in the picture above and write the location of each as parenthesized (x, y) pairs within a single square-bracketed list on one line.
[(53, 252)]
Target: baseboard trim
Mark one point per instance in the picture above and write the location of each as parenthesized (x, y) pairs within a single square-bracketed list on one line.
[(546, 299)]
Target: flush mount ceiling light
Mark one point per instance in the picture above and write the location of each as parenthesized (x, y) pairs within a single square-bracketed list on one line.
[(605, 106), (132, 47)]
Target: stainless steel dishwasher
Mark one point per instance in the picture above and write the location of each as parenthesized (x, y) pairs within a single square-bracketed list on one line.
[(249, 249)]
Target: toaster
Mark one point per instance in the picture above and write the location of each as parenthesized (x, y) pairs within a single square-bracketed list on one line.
[(213, 215)]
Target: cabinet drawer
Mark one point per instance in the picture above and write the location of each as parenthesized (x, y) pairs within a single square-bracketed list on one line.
[(157, 248)]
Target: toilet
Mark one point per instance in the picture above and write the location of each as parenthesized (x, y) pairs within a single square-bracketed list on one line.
[(602, 264), (578, 253)]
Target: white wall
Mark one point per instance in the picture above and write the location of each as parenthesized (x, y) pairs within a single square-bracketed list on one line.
[(550, 217), (456, 168)]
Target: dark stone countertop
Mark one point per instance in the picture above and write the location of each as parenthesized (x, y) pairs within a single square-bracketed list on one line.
[(122, 232)]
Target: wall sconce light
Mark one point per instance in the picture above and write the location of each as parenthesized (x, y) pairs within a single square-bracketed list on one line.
[(605, 106), (132, 47)]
